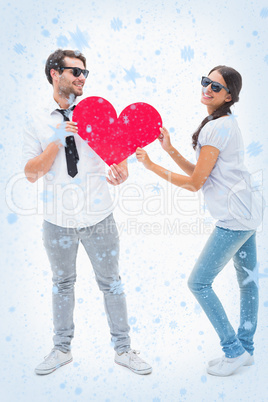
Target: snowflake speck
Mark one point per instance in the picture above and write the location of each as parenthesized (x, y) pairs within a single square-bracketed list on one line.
[(116, 24), (126, 120), (247, 325), (173, 325), (242, 254), (65, 242), (116, 287)]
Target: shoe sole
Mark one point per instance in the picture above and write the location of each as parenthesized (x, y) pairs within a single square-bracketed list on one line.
[(44, 372), (210, 371), (223, 375), (212, 363), (141, 372)]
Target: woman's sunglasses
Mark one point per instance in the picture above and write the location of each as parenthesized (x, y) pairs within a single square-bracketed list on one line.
[(76, 71), (215, 86)]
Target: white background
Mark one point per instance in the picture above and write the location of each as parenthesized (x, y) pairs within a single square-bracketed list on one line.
[(168, 45)]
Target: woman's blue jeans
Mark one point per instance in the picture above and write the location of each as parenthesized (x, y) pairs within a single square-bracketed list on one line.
[(222, 245)]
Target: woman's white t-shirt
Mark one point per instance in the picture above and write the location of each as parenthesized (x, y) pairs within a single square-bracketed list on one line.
[(229, 192)]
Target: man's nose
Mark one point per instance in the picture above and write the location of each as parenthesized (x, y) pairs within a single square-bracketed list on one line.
[(81, 77)]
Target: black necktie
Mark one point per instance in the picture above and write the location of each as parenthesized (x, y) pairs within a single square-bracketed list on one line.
[(71, 153)]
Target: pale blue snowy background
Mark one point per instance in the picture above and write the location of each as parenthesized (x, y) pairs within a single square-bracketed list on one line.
[(156, 52)]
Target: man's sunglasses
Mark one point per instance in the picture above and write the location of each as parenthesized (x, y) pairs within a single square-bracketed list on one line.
[(76, 71), (215, 86)]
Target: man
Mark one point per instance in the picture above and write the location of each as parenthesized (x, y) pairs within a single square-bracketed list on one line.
[(78, 207)]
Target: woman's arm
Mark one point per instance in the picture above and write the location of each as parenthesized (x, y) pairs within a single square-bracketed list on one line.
[(206, 161), (184, 164)]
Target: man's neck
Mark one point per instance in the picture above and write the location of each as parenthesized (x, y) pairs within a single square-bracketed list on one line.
[(63, 102)]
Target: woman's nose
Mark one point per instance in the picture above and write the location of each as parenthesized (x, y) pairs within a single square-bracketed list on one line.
[(209, 87)]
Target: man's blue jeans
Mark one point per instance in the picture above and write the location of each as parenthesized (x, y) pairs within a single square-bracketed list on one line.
[(222, 245), (101, 243)]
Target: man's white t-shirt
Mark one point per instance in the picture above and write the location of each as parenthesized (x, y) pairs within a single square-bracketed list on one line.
[(68, 202), (229, 193)]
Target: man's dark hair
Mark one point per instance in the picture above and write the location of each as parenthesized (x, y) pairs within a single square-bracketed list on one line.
[(56, 60)]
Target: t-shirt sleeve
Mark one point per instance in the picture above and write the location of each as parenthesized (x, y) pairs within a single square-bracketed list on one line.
[(31, 144), (216, 134)]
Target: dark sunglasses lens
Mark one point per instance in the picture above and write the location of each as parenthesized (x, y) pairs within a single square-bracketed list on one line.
[(85, 72), (205, 82), (76, 71), (216, 87)]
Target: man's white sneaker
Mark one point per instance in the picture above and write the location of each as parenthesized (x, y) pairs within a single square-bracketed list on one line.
[(54, 360), (228, 366), (249, 362), (132, 361)]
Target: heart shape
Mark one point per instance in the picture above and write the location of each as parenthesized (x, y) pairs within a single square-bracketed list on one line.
[(112, 138)]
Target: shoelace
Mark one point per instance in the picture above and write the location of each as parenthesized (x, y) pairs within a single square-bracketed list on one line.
[(222, 361), (50, 356), (225, 359), (134, 356)]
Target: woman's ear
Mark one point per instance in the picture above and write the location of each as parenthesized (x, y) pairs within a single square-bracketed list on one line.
[(228, 98)]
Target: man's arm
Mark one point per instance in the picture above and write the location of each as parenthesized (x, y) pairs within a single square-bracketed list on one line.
[(41, 164), (118, 173)]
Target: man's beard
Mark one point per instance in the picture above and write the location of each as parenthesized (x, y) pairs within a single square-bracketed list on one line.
[(67, 94)]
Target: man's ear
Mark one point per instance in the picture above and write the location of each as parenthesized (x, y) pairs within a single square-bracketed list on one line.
[(54, 74)]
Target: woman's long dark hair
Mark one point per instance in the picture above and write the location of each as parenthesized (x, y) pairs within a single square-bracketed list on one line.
[(234, 83)]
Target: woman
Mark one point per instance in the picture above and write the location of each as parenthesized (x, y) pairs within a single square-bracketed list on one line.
[(225, 181)]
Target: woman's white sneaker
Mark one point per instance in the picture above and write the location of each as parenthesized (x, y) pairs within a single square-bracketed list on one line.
[(53, 361), (131, 360), (227, 366), (249, 362)]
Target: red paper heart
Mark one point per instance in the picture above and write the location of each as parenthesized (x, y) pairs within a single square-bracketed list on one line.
[(112, 138)]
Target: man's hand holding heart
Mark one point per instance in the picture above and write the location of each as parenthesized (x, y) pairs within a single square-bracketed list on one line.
[(118, 173)]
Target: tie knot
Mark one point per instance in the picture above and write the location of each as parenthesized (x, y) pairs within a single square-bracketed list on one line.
[(66, 112)]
